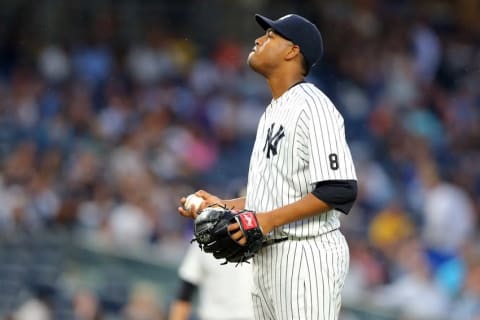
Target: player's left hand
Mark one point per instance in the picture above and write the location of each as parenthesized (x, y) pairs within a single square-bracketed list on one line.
[(211, 231), (237, 235)]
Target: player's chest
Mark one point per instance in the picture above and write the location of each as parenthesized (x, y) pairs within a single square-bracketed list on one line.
[(276, 135)]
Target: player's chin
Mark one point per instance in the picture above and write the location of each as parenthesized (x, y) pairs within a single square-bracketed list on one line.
[(250, 58), (253, 62)]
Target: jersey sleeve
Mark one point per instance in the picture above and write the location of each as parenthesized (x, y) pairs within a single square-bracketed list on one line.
[(191, 267), (329, 156)]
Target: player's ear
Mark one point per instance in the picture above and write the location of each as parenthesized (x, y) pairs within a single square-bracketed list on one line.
[(293, 52)]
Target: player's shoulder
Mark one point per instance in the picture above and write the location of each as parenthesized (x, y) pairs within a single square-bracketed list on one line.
[(309, 93), (311, 97)]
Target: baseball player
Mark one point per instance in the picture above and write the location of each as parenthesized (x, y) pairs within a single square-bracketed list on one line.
[(218, 299), (301, 179)]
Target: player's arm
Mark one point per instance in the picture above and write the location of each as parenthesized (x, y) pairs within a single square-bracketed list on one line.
[(339, 194), (182, 306), (327, 195)]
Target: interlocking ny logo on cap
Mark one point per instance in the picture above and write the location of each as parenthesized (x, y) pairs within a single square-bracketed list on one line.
[(271, 143)]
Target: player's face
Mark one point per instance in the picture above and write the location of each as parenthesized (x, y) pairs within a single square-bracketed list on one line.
[(268, 52)]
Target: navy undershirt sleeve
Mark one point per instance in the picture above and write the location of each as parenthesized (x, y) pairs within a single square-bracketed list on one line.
[(186, 291), (338, 194)]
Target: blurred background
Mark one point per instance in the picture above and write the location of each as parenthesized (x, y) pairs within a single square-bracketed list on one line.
[(110, 111)]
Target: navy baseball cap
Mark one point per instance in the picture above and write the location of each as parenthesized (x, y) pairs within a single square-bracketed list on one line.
[(298, 30)]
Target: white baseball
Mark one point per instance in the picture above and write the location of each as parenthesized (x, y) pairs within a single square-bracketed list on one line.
[(193, 200)]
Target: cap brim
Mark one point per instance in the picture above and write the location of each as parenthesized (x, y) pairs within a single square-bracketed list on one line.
[(267, 23), (264, 22)]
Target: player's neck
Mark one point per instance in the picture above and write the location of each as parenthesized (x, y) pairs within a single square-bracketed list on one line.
[(280, 85)]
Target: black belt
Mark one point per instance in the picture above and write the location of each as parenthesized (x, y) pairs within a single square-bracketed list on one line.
[(269, 242)]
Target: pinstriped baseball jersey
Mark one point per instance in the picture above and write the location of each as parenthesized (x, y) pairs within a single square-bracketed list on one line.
[(300, 141)]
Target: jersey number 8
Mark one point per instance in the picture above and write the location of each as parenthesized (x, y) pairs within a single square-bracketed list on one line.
[(333, 158)]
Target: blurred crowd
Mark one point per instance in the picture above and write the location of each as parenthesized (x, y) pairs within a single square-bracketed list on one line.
[(102, 139)]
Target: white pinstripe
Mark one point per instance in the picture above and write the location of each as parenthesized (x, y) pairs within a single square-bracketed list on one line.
[(301, 278)]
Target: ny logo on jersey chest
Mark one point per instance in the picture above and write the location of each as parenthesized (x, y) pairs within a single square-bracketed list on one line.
[(271, 143)]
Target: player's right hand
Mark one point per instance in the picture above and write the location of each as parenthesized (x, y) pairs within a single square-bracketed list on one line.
[(208, 198), (184, 212)]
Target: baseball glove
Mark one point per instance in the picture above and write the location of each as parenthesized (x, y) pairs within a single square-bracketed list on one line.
[(211, 233)]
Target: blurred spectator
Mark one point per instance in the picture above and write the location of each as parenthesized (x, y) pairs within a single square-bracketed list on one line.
[(441, 199), (92, 62), (467, 304), (413, 293), (93, 213), (427, 50), (86, 306), (389, 228), (54, 64), (143, 304), (33, 309), (129, 224), (151, 61)]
